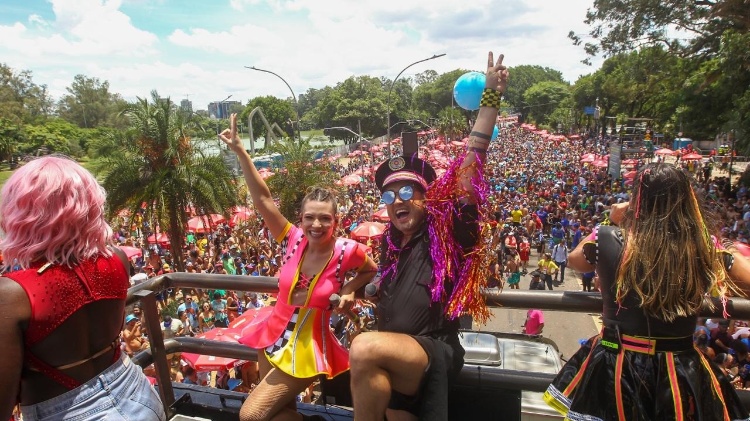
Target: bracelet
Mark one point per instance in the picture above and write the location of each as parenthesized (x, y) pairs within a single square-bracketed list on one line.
[(490, 98), (477, 150), (480, 135)]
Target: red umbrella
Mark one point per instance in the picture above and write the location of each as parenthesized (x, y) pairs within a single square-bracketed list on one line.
[(240, 217), (589, 157), (381, 215), (362, 171), (692, 157), (630, 175), (349, 180), (131, 252), (250, 318), (367, 230), (205, 223), (209, 362), (600, 163), (664, 151), (160, 238)]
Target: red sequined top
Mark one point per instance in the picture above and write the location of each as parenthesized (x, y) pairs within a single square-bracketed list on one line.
[(56, 292)]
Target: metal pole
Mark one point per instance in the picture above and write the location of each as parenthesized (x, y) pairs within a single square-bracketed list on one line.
[(388, 100), (731, 160), (294, 97)]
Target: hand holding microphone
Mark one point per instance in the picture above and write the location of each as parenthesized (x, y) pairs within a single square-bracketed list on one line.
[(335, 301)]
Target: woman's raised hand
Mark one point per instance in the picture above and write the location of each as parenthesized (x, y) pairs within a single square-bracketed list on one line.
[(230, 137)]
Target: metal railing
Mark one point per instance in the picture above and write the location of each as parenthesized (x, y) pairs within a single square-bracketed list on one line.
[(571, 301)]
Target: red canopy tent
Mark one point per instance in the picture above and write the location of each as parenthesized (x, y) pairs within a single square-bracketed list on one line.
[(381, 215), (205, 223), (209, 362), (160, 238), (664, 151), (131, 252), (367, 230), (692, 157)]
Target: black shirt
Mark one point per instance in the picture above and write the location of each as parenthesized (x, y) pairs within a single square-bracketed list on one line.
[(405, 303)]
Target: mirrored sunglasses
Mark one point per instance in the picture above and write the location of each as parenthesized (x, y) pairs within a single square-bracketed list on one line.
[(405, 193)]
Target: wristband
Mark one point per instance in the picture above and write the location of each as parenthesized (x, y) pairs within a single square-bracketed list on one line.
[(480, 135), (490, 98)]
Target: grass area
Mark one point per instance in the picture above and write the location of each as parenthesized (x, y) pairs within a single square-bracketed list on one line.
[(4, 176), (314, 133)]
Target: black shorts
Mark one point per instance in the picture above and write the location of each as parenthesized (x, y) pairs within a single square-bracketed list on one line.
[(445, 359)]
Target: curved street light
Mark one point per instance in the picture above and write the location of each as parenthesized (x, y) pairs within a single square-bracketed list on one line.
[(294, 97), (390, 88)]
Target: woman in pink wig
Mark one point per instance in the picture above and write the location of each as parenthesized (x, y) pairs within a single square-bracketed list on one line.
[(64, 307)]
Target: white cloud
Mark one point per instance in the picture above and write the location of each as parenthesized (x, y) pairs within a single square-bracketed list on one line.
[(311, 43)]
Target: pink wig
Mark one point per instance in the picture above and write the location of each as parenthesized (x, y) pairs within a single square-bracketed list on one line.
[(52, 210)]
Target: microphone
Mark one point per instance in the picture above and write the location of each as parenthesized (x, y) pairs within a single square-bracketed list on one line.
[(335, 301), (371, 290)]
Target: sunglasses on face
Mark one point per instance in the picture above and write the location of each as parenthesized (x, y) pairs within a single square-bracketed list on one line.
[(405, 193)]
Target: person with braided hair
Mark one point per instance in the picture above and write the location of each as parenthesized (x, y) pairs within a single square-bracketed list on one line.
[(295, 345), (656, 263)]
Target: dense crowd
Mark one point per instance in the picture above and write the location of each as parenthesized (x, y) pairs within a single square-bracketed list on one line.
[(544, 200)]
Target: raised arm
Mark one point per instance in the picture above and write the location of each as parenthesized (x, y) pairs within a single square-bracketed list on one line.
[(479, 139), (258, 188)]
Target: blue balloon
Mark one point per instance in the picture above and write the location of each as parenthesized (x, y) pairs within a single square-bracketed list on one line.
[(495, 132), (467, 90)]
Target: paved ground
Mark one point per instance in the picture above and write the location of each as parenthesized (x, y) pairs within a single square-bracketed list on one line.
[(565, 328)]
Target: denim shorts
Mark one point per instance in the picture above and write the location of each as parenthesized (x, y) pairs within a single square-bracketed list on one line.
[(121, 392)]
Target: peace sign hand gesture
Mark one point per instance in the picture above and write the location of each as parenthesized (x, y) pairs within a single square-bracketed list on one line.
[(229, 136), (497, 74)]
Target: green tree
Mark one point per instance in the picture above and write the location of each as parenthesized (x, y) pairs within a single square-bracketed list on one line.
[(451, 122), (10, 138), (157, 165), (89, 103), (542, 99), (626, 25), (524, 77), (437, 93), (298, 172), (21, 100)]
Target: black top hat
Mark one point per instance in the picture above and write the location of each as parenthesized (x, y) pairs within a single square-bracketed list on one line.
[(402, 168)]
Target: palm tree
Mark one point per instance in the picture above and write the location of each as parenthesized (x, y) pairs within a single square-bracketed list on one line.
[(300, 173), (157, 165)]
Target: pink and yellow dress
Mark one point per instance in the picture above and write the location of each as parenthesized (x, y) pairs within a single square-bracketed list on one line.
[(297, 339)]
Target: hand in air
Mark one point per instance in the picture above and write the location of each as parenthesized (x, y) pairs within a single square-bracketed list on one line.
[(230, 137), (497, 74)]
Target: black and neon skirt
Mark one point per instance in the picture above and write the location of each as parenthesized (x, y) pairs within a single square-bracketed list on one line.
[(643, 382)]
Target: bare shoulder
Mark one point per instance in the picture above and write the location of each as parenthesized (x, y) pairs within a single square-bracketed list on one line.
[(14, 301)]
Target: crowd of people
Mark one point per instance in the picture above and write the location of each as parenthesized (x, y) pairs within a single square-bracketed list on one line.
[(504, 198)]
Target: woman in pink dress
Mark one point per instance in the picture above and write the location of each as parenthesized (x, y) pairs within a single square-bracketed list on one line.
[(295, 343)]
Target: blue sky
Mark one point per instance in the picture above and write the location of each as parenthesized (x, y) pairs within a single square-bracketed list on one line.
[(198, 49)]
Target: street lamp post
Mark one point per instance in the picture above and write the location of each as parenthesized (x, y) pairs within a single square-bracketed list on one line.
[(390, 88), (362, 141), (294, 97)]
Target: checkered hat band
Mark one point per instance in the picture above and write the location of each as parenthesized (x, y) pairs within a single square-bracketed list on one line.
[(405, 176)]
